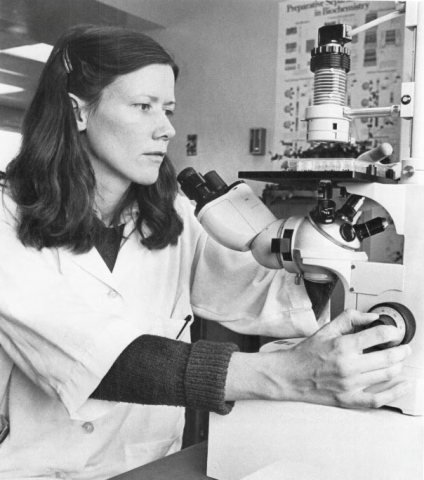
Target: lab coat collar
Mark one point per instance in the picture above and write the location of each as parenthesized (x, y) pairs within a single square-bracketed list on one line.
[(92, 261)]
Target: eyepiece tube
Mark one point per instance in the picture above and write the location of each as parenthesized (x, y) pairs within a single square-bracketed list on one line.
[(193, 185)]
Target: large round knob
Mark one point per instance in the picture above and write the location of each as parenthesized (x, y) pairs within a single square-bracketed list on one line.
[(397, 315)]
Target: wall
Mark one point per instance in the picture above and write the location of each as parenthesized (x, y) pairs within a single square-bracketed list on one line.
[(227, 55), (161, 13)]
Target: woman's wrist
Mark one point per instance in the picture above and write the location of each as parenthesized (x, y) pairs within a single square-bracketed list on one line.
[(258, 376)]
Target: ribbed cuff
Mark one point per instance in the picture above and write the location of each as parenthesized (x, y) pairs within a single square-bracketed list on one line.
[(206, 375)]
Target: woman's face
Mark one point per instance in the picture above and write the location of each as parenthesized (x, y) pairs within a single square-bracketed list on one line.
[(128, 132)]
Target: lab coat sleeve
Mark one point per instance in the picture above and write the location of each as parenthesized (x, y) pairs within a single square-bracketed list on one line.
[(233, 289), (51, 335)]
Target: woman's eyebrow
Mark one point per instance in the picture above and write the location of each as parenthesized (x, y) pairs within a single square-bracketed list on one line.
[(155, 99)]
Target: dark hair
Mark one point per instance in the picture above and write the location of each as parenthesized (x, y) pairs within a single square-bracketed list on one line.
[(51, 178)]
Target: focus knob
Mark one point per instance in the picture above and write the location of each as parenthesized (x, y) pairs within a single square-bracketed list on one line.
[(398, 316)]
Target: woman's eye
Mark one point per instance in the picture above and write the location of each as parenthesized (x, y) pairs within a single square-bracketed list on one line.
[(145, 107), (169, 113)]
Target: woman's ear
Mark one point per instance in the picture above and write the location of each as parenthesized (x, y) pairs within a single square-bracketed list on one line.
[(80, 111)]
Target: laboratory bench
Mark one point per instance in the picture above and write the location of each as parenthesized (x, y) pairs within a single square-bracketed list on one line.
[(188, 464)]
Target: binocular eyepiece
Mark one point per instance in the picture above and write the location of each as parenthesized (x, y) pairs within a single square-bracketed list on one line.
[(202, 188)]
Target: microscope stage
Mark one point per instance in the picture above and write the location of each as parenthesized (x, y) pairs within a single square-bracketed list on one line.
[(310, 179)]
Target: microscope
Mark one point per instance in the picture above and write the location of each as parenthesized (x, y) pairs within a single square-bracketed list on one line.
[(325, 244)]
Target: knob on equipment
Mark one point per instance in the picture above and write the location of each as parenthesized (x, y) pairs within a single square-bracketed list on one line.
[(397, 315)]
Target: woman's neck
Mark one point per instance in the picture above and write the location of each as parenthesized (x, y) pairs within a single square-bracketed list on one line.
[(110, 190), (107, 201)]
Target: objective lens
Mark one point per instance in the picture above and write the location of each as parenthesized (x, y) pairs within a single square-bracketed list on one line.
[(374, 226)]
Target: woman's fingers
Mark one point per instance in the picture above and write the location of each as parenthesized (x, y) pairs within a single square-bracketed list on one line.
[(368, 399), (348, 320), (377, 360), (382, 377), (374, 336)]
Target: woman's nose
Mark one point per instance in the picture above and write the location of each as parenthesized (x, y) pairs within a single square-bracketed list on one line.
[(164, 128)]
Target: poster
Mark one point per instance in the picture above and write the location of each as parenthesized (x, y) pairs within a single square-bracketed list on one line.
[(374, 79)]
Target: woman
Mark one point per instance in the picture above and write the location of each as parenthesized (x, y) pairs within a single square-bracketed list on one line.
[(102, 263)]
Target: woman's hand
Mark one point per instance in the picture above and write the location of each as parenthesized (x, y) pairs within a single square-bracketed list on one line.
[(328, 368)]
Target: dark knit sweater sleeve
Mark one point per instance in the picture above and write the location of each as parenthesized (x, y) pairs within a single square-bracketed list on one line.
[(159, 371)]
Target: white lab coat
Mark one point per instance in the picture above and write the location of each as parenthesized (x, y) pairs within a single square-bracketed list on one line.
[(65, 318)]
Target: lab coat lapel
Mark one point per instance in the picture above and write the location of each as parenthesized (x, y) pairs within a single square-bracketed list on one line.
[(128, 253), (93, 263)]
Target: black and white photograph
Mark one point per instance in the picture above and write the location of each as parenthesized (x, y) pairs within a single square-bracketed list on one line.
[(211, 240)]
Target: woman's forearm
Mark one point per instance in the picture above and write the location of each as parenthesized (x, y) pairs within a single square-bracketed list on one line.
[(155, 370)]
